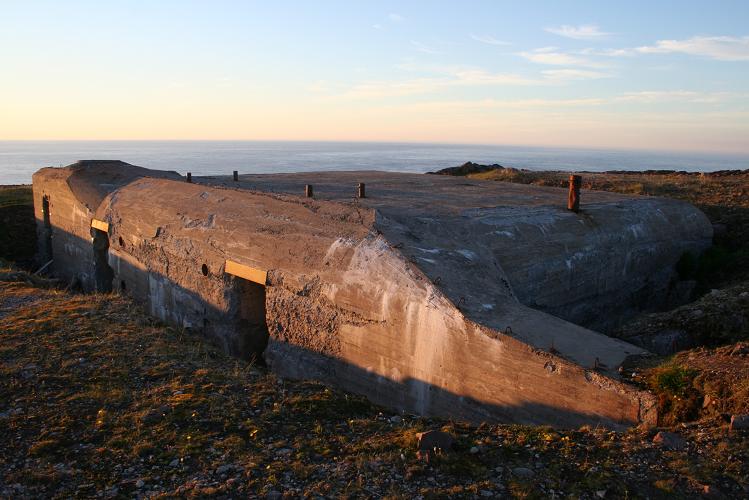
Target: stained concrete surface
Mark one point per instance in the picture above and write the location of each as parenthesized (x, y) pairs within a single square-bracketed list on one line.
[(417, 296), (483, 240)]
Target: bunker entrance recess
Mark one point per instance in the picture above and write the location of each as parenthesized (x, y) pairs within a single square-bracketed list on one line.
[(251, 321), (47, 233), (103, 273), (252, 327)]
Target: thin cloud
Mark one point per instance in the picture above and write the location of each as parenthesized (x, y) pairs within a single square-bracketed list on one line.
[(608, 52), (422, 47), (582, 32), (459, 78), (396, 18), (550, 56), (574, 74), (490, 40), (721, 48), (655, 96), (377, 26), (514, 104)]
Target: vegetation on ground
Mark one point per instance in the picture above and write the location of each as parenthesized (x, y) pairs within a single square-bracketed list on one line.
[(17, 228), (96, 398)]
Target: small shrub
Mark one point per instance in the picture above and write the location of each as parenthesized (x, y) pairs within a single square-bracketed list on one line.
[(674, 380)]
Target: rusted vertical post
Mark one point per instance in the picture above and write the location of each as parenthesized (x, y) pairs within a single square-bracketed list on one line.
[(308, 190), (236, 176), (360, 193), (189, 177), (573, 201)]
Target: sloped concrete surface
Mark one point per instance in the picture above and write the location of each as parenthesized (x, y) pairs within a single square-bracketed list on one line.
[(481, 241)]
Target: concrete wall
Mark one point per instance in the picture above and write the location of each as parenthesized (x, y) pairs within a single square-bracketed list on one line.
[(348, 301)]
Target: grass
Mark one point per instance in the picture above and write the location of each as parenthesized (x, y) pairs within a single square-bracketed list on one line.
[(17, 227), (15, 195), (95, 397)]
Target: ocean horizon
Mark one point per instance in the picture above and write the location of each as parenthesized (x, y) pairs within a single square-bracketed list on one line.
[(20, 159)]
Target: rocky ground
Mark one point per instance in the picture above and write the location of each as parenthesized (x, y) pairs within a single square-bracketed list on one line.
[(96, 399)]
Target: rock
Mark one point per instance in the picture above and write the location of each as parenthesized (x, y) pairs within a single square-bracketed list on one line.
[(395, 419), (174, 463), (274, 495), (486, 493), (467, 168), (664, 342), (711, 491), (601, 493), (432, 443), (139, 483), (670, 441), (523, 472), (744, 295), (223, 469), (739, 422), (474, 450)]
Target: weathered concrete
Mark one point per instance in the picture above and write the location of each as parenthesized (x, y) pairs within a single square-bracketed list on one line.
[(416, 295)]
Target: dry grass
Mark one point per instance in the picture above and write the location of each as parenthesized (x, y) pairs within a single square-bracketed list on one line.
[(95, 397)]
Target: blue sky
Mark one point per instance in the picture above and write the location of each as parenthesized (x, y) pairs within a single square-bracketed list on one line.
[(650, 75)]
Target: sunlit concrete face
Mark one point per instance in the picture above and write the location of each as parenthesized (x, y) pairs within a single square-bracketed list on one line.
[(429, 295)]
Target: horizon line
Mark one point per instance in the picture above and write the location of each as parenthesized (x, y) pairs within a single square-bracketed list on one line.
[(425, 143)]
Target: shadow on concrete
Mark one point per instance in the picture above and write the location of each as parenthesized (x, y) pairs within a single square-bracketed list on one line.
[(242, 335)]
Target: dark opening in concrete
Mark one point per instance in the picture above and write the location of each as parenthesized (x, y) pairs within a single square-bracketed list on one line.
[(47, 229), (251, 325), (103, 274), (204, 270)]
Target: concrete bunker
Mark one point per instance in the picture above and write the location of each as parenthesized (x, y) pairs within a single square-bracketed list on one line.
[(433, 295)]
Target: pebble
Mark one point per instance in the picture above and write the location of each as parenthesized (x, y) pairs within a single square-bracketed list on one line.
[(523, 472), (670, 441), (739, 422), (486, 493), (474, 450), (139, 483), (223, 469), (395, 419)]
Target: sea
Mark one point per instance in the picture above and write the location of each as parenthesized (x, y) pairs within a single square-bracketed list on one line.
[(20, 159)]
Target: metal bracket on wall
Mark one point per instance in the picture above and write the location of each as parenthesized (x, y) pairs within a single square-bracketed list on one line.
[(100, 225), (249, 273)]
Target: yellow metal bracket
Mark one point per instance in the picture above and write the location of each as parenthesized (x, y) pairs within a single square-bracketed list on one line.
[(100, 225), (246, 272)]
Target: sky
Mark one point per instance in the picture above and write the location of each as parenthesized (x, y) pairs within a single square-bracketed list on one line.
[(668, 75)]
